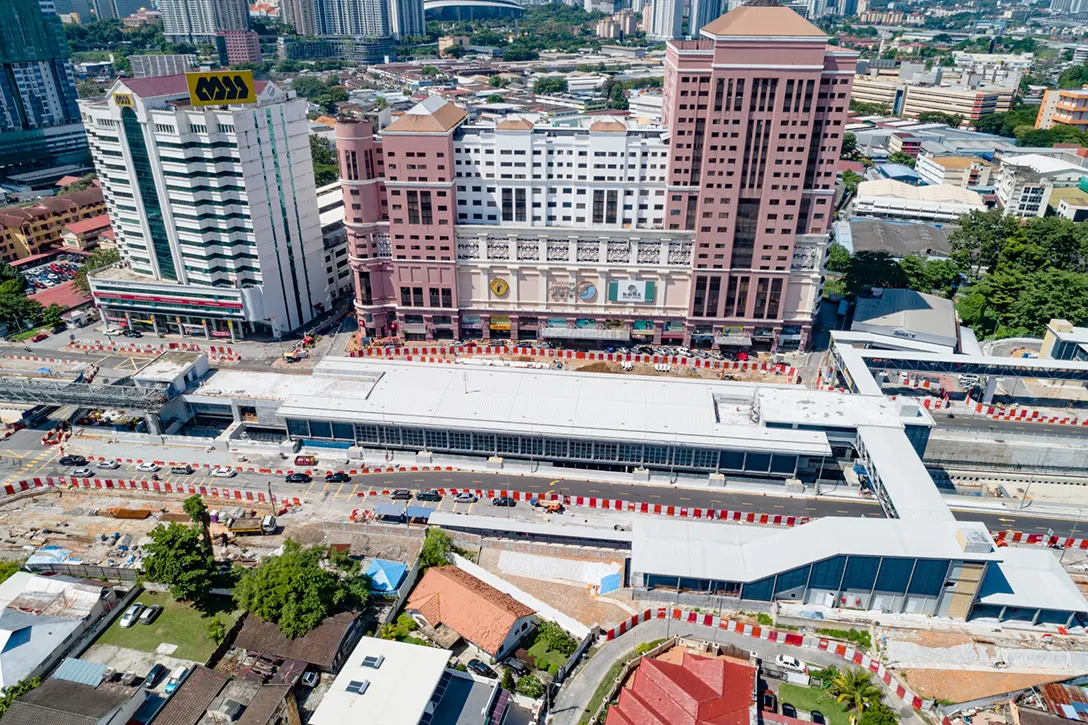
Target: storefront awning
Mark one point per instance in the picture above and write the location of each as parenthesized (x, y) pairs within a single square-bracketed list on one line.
[(733, 340), (586, 333)]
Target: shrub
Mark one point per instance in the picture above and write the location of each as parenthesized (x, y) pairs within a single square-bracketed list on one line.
[(860, 637), (530, 685), (556, 638)]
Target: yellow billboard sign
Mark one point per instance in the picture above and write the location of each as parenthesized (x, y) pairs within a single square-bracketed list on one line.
[(218, 87), (124, 100)]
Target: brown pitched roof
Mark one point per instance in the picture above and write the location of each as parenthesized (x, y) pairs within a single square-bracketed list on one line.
[(474, 609), (433, 114), (763, 20), (61, 702), (190, 702), (515, 124), (317, 647), (264, 704), (608, 125)]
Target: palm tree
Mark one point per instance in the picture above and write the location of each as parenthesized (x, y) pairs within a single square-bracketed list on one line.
[(856, 689)]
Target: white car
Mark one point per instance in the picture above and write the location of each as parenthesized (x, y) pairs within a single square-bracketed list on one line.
[(465, 497), (790, 664), (224, 473), (147, 468), (109, 465), (111, 331), (131, 615), (82, 473)]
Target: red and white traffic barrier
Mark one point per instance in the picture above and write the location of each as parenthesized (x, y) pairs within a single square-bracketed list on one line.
[(1026, 415), (1025, 539), (216, 352), (111, 484), (843, 651), (54, 360)]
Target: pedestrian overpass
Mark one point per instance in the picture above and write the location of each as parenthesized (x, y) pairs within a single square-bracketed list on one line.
[(148, 399)]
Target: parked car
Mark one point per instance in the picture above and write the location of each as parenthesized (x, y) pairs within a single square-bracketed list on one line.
[(73, 461), (337, 477), (428, 495), (131, 615), (59, 327), (298, 478), (224, 473), (40, 336), (177, 676), (466, 497), (400, 494), (818, 717), (83, 473), (305, 461), (182, 470), (311, 678), (148, 615), (481, 669), (112, 331), (768, 701), (503, 501), (154, 675), (129, 332), (789, 710), (108, 465), (518, 667), (790, 664), (148, 468)]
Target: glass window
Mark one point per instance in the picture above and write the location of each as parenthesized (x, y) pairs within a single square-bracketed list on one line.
[(483, 442), (606, 451), (581, 449), (366, 433), (758, 462), (828, 573), (860, 572), (413, 437), (760, 590), (436, 439), (343, 431), (298, 428), (320, 429), (928, 577), (694, 585), (702, 458), (556, 448), (783, 464), (391, 435), (630, 453), (733, 460), (656, 454), (894, 575), (508, 444), (532, 446), (682, 456), (460, 441), (792, 579)]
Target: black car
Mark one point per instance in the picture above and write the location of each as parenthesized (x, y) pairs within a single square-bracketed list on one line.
[(429, 495), (338, 477), (818, 717), (516, 666), (503, 501), (73, 461), (481, 669), (154, 675), (132, 333), (400, 494), (298, 478), (59, 327), (789, 710)]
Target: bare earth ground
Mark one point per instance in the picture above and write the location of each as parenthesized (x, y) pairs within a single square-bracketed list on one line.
[(965, 685)]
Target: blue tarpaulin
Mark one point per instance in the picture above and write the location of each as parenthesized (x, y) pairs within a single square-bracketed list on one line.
[(389, 510), (385, 576), (610, 583)]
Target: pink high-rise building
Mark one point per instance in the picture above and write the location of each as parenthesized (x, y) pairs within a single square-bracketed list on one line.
[(238, 46), (707, 230)]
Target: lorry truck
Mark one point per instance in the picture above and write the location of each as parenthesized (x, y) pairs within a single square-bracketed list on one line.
[(252, 525)]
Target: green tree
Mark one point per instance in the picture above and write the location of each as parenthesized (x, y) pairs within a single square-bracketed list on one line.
[(855, 689), (1074, 77), (179, 557), (878, 714), (556, 638), (508, 683), (436, 548), (323, 156), (978, 240), (869, 109), (8, 568), (902, 158), (850, 181), (873, 269), (196, 509), (342, 560), (98, 259), (15, 691), (515, 54), (617, 98), (530, 686), (295, 592), (550, 84), (495, 98), (53, 315), (454, 51), (838, 259), (428, 71), (497, 82), (308, 86), (288, 66), (849, 146), (948, 119), (18, 312), (217, 631), (84, 182)]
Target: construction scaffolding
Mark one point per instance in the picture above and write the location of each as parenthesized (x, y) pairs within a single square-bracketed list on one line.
[(41, 391)]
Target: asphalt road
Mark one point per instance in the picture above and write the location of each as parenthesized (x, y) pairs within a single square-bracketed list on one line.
[(43, 463), (981, 424)]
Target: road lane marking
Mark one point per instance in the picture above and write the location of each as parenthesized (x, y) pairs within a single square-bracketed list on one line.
[(337, 494), (809, 508), (310, 488), (552, 483), (779, 507), (594, 490), (354, 491), (840, 511), (324, 488), (654, 495), (470, 507), (684, 498), (714, 500)]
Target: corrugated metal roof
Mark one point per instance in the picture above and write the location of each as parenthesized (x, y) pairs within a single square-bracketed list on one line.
[(81, 671)]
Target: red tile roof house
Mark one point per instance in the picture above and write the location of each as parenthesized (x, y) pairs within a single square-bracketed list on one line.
[(492, 620), (697, 691)]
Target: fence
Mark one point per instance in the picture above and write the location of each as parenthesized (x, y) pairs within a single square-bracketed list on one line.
[(88, 571), (576, 656)]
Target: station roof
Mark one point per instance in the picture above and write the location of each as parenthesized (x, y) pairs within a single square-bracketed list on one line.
[(903, 475), (1031, 578), (908, 310)]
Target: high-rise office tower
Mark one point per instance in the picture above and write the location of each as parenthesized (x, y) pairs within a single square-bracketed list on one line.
[(701, 13), (407, 20), (369, 18), (757, 110), (214, 209), (196, 21), (300, 15), (708, 230), (117, 9), (39, 118), (666, 20)]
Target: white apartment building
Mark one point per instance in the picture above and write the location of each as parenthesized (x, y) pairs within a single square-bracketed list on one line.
[(334, 239), (196, 21), (666, 20), (585, 173), (1001, 69), (367, 18), (214, 209), (150, 66), (965, 171), (1024, 182)]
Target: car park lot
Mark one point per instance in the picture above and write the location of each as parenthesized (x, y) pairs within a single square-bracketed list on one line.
[(179, 627)]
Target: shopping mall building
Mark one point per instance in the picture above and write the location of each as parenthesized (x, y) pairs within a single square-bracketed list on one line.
[(709, 229)]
